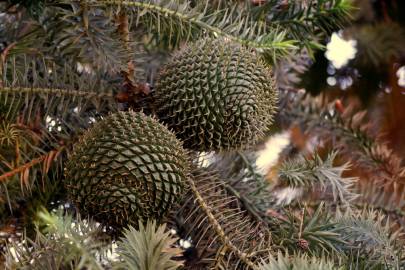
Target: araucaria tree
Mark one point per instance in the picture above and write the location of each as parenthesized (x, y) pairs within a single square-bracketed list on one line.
[(131, 133)]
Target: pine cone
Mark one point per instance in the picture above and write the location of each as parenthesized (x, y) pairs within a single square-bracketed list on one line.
[(216, 95), (303, 244), (128, 167)]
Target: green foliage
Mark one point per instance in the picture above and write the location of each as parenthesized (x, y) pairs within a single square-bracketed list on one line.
[(297, 262), (148, 247), (99, 43), (349, 133), (70, 32), (305, 21), (126, 168), (309, 173), (216, 95), (316, 233), (169, 23), (61, 243), (373, 242), (66, 243), (34, 7), (243, 180), (37, 90), (224, 234), (44, 107), (67, 64)]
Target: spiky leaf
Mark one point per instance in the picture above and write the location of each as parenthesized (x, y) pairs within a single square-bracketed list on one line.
[(62, 242), (149, 247), (302, 262)]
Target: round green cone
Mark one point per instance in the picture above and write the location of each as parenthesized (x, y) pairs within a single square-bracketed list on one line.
[(216, 95), (127, 167)]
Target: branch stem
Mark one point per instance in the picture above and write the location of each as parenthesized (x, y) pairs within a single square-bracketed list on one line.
[(33, 162), (217, 227), (55, 91), (30, 164), (189, 19)]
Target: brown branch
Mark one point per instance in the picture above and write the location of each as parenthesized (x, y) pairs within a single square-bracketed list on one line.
[(226, 241), (132, 87), (3, 56), (30, 164), (22, 168), (123, 30), (123, 27), (56, 91)]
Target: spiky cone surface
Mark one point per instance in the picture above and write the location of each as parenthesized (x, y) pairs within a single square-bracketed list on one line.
[(127, 168), (216, 95)]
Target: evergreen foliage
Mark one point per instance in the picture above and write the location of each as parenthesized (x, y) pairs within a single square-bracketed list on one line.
[(61, 243), (284, 262), (100, 98), (149, 248), (308, 173)]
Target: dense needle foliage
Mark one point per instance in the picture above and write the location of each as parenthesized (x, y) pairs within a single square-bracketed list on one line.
[(141, 135)]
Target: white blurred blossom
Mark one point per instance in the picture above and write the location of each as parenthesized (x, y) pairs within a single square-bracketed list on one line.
[(401, 76), (340, 51), (269, 155)]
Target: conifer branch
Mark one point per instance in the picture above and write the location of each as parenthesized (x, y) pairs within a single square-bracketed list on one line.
[(243, 180), (22, 168), (172, 19), (349, 132), (250, 237), (149, 247), (30, 164), (217, 227), (61, 243), (297, 262), (311, 231), (308, 173), (372, 236), (54, 92), (306, 21)]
